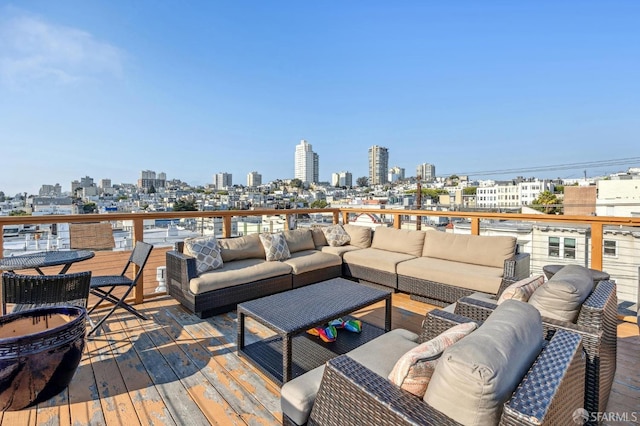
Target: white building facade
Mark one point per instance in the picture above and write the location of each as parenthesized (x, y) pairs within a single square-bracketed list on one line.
[(307, 163)]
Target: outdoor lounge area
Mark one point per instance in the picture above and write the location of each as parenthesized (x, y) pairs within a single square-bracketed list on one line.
[(176, 368)]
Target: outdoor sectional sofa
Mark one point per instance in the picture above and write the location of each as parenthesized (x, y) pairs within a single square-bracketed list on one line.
[(435, 266)]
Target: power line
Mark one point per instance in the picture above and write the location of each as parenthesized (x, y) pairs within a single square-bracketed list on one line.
[(566, 166)]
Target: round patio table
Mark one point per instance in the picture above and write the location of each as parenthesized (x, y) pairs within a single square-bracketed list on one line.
[(44, 259)]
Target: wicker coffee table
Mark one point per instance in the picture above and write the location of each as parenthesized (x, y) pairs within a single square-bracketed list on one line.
[(292, 351)]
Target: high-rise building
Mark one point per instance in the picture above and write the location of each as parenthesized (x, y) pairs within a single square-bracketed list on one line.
[(254, 179), (426, 171), (148, 179), (342, 179), (396, 173), (307, 163), (222, 180), (378, 165), (50, 190)]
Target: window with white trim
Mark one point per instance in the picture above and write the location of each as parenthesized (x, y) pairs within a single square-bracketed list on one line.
[(569, 248), (554, 247), (610, 248)]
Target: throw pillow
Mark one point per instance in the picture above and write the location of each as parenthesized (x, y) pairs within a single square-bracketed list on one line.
[(206, 251), (522, 290), (336, 235), (413, 370), (275, 246)]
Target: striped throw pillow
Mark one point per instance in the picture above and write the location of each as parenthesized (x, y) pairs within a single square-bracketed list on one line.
[(522, 290), (413, 370)]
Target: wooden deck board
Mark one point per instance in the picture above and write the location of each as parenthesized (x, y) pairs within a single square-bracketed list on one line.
[(179, 369)]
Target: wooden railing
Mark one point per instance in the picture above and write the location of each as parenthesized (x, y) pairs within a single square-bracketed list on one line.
[(596, 224)]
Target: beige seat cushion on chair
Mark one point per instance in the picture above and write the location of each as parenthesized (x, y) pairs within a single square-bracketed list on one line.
[(339, 251), (486, 279), (311, 260), (381, 260), (237, 272), (299, 240), (379, 355), (360, 235), (247, 247), (477, 375)]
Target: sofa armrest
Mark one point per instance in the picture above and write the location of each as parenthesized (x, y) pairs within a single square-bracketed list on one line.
[(351, 394), (553, 388), (180, 269), (476, 309)]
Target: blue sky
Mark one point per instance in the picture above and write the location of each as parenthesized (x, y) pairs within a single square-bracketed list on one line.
[(107, 89)]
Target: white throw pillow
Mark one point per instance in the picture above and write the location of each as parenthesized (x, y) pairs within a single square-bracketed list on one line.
[(275, 246), (206, 251)]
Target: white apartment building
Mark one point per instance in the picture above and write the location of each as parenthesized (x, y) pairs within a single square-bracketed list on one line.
[(511, 194), (222, 180), (619, 196), (426, 171), (378, 165), (307, 163), (396, 173), (254, 179), (342, 179)]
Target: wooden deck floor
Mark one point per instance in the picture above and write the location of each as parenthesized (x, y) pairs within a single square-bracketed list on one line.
[(178, 369)]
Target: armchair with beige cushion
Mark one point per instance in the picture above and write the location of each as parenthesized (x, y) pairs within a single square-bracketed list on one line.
[(569, 301)]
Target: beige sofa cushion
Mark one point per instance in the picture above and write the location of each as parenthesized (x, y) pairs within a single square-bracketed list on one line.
[(379, 355), (311, 260), (486, 279), (563, 295), (299, 240), (237, 272), (476, 376), (360, 235), (319, 240), (381, 260), (398, 240), (476, 249), (339, 251), (247, 247)]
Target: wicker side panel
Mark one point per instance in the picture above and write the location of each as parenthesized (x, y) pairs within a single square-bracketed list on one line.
[(350, 394), (225, 299), (369, 274), (444, 293), (478, 310), (438, 321), (551, 391), (316, 276)]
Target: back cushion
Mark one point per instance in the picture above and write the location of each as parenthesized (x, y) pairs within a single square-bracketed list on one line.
[(247, 247), (319, 240), (476, 249), (360, 235), (299, 239), (563, 295), (398, 240), (473, 378)]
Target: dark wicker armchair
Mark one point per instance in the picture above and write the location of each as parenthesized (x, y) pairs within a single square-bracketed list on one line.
[(596, 324), (32, 291), (550, 392)]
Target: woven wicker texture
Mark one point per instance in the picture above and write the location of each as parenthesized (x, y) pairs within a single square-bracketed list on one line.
[(31, 291)]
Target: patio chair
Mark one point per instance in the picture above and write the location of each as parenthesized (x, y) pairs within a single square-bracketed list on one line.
[(596, 324), (103, 286), (34, 291)]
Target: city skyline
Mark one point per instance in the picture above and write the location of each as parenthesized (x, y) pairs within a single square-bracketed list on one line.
[(489, 90)]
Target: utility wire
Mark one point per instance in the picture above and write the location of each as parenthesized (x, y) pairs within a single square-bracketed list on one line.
[(566, 166)]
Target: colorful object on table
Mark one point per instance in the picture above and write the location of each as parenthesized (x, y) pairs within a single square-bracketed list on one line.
[(354, 326), (337, 323)]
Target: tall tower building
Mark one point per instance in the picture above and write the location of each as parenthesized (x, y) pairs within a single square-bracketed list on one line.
[(254, 179), (222, 180), (396, 173), (307, 163), (378, 165), (426, 171)]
